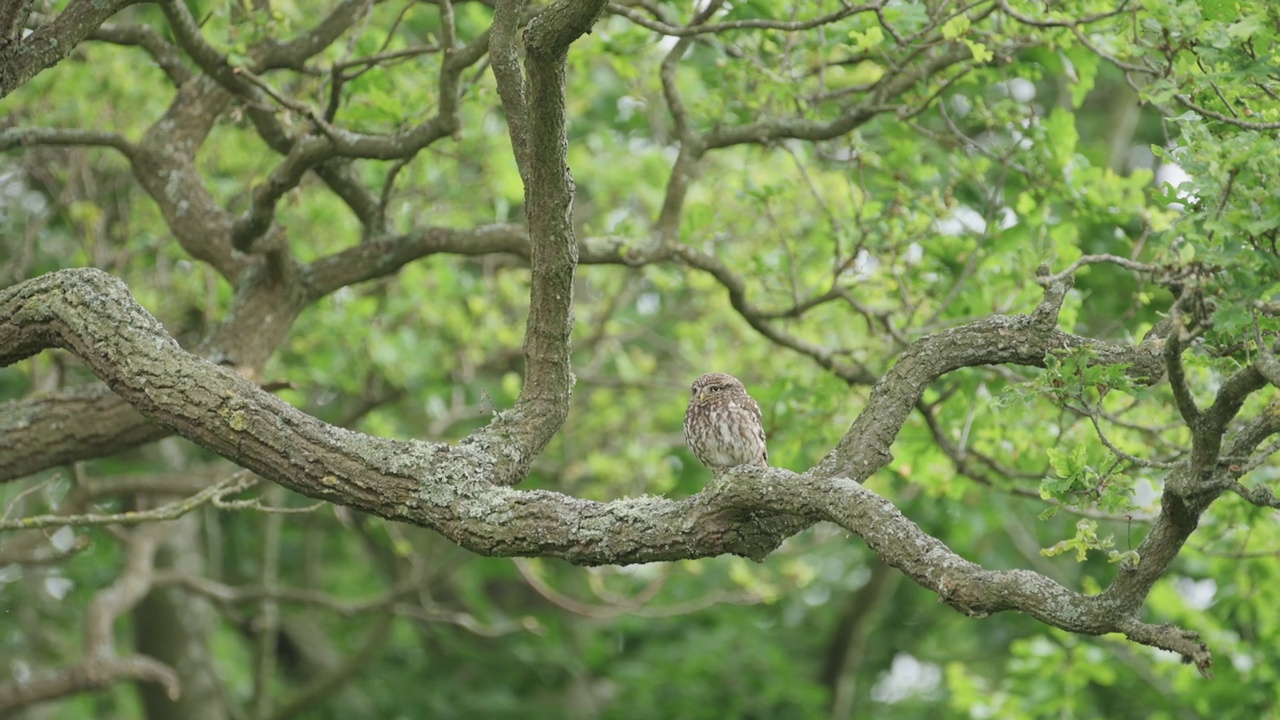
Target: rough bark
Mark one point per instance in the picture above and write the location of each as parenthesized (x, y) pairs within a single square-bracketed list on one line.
[(22, 58), (461, 490)]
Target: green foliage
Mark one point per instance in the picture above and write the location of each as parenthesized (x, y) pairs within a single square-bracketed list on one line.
[(932, 213)]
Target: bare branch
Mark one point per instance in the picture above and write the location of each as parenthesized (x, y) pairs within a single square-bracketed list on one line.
[(851, 372), (1257, 495), (1068, 23), (237, 483), (1189, 489), (91, 673), (1083, 260), (382, 257), (694, 29), (890, 86), (146, 37), (460, 490), (65, 426), (25, 136)]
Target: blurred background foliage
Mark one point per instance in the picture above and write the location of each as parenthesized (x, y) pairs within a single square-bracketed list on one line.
[(1041, 152)]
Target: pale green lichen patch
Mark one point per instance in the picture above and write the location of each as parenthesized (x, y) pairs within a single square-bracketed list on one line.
[(464, 471), (494, 507), (638, 509), (594, 528), (233, 413), (438, 494)]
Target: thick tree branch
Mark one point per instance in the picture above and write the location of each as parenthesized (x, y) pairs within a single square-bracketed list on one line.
[(458, 490), (90, 421), (965, 586), (1018, 339), (164, 164), (48, 44), (553, 257), (13, 17), (66, 426), (509, 77), (1195, 484), (383, 257)]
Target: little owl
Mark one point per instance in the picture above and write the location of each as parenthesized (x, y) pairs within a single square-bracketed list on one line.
[(722, 425)]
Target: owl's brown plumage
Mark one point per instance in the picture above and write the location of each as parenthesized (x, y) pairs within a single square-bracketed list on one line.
[(722, 425)]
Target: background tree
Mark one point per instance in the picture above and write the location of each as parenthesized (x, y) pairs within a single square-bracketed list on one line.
[(1012, 266)]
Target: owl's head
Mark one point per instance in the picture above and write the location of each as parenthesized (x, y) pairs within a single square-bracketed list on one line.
[(713, 384)]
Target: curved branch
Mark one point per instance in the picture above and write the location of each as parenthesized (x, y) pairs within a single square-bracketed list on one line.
[(698, 29), (1000, 339), (66, 426), (543, 404), (459, 490), (1182, 397), (48, 44), (1193, 486), (379, 258), (146, 37), (93, 673), (852, 373), (1191, 105), (320, 150), (965, 586), (890, 86), (293, 53), (91, 421)]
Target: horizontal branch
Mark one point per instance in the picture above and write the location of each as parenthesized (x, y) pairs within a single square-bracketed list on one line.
[(457, 490), (749, 24), (24, 136), (169, 511), (69, 425), (384, 256)]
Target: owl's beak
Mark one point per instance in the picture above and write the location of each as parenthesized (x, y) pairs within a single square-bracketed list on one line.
[(702, 395)]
